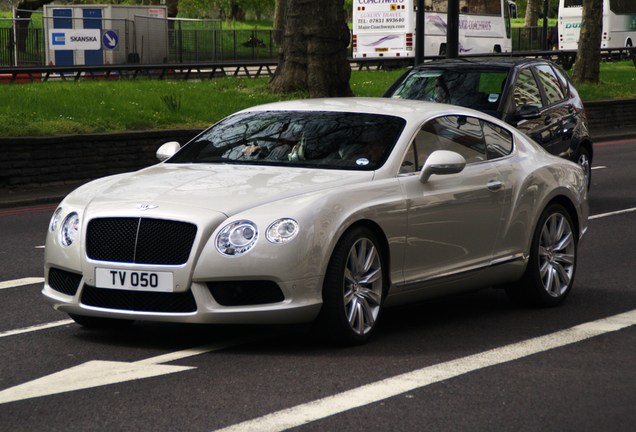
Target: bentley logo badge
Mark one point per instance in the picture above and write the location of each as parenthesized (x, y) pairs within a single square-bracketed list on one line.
[(144, 206)]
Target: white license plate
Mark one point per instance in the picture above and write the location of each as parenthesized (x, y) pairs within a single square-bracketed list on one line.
[(134, 280)]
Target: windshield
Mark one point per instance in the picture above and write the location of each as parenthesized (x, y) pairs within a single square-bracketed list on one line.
[(476, 89), (297, 138)]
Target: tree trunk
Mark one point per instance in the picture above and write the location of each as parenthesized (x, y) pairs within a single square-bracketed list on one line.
[(533, 10), (314, 49), (24, 9), (588, 56)]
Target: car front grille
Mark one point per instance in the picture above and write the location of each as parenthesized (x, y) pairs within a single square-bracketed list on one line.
[(245, 293), (139, 301), (63, 281), (140, 240)]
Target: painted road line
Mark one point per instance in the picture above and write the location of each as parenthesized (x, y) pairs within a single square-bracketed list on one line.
[(400, 384), (97, 373), (21, 282), (35, 328)]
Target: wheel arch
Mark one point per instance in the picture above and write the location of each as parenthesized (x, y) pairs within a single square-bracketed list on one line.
[(384, 244), (569, 206)]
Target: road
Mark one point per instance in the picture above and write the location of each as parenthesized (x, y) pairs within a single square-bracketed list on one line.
[(471, 362)]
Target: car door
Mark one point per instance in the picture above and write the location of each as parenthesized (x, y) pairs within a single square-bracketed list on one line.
[(561, 113), (529, 112), (453, 220)]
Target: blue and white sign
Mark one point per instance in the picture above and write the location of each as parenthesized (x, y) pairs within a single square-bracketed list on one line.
[(72, 39), (110, 39)]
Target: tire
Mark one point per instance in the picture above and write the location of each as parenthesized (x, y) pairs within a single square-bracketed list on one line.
[(353, 289), (583, 159), (100, 323), (549, 275)]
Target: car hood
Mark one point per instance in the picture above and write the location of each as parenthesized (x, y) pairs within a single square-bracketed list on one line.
[(228, 189)]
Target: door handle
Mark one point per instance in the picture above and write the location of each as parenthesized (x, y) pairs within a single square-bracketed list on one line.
[(494, 185)]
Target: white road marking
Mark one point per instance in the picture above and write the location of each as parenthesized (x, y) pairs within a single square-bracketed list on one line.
[(97, 373), (35, 328), (390, 387), (614, 213), (20, 282), (599, 167), (40, 247)]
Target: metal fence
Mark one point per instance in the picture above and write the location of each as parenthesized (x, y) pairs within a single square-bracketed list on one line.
[(148, 40)]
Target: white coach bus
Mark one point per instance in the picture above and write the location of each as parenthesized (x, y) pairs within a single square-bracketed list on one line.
[(619, 23), (386, 28)]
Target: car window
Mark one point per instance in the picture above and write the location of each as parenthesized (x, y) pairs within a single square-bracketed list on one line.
[(331, 140), (565, 83), (498, 141), (551, 84), (461, 134), (477, 89), (526, 91)]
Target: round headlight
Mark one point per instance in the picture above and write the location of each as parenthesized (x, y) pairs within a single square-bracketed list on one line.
[(282, 231), (70, 229), (55, 219), (237, 238)]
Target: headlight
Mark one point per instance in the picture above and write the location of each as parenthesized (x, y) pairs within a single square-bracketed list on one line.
[(55, 219), (237, 238), (282, 231), (70, 229)]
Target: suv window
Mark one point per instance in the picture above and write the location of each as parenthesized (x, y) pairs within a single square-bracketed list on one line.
[(551, 84), (526, 91), (476, 140)]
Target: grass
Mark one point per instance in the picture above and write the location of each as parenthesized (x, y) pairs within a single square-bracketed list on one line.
[(57, 108)]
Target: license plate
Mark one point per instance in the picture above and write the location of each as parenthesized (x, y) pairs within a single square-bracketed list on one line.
[(134, 280)]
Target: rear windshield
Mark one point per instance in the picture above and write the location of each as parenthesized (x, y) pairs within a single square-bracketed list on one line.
[(329, 140), (477, 89)]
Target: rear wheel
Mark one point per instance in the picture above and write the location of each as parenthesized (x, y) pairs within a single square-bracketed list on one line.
[(353, 289), (552, 263)]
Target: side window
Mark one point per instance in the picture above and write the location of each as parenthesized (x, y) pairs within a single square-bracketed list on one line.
[(551, 84), (461, 134), (498, 141), (565, 85), (526, 90)]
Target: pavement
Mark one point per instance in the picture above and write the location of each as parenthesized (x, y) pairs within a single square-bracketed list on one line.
[(53, 194)]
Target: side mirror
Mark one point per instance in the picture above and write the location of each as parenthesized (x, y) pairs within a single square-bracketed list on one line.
[(442, 162), (167, 150), (527, 112)]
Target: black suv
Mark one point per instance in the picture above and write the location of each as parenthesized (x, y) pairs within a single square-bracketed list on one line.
[(534, 95)]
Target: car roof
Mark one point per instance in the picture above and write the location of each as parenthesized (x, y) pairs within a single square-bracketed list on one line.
[(408, 109), (496, 62)]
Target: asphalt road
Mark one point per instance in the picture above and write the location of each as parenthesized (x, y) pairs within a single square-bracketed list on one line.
[(467, 363)]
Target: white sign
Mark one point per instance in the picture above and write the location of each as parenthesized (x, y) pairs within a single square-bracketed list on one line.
[(75, 39)]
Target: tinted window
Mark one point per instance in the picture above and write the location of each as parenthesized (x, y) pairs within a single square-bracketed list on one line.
[(304, 138), (551, 84), (480, 90), (526, 91)]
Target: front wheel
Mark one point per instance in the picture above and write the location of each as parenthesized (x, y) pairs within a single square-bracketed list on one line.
[(353, 289), (551, 266)]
